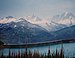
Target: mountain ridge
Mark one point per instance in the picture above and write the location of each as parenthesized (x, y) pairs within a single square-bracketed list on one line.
[(19, 31)]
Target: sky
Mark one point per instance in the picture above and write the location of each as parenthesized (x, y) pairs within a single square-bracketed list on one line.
[(40, 8)]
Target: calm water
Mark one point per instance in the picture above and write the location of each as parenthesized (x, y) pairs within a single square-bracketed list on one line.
[(69, 49)]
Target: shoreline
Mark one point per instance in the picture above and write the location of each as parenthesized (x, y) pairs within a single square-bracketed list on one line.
[(28, 45)]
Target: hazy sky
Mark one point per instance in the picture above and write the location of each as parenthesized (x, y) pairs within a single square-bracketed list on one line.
[(40, 8)]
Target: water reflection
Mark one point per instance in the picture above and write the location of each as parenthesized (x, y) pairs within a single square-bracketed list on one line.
[(69, 49)]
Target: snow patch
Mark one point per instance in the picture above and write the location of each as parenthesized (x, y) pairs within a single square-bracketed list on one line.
[(15, 26)]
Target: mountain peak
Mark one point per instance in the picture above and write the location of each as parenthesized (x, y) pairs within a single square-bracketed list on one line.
[(67, 15), (9, 17)]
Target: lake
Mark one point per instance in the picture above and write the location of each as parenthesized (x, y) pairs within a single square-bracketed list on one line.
[(69, 49)]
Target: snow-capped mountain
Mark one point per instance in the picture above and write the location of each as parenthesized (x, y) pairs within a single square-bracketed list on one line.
[(45, 23), (65, 15), (36, 20), (66, 18), (33, 29), (21, 32), (55, 23), (63, 20), (7, 20)]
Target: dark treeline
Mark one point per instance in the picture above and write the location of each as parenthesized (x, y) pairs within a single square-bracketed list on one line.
[(36, 54)]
